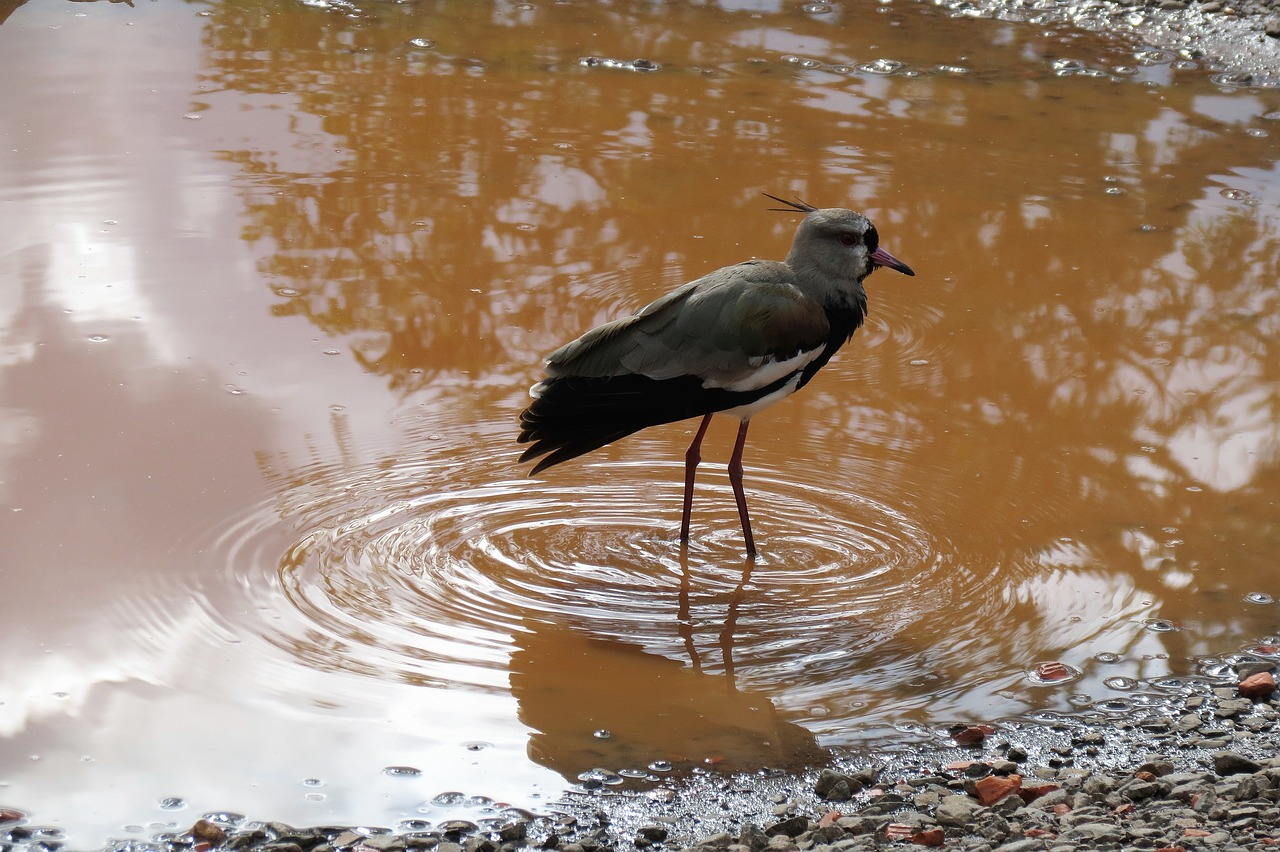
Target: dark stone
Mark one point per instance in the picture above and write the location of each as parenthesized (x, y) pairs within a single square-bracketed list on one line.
[(1233, 763), (836, 787), (513, 831), (753, 837), (652, 833), (1156, 767), (793, 827)]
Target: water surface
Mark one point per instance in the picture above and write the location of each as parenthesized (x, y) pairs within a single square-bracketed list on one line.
[(277, 277)]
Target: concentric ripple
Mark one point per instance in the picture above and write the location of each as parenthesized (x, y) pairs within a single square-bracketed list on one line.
[(429, 572)]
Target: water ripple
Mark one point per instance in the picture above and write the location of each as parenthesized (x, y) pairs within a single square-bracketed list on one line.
[(428, 571)]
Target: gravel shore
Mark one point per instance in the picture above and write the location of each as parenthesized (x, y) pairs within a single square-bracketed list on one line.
[(1206, 776)]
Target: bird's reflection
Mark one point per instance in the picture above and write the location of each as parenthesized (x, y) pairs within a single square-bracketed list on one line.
[(686, 623), (605, 702)]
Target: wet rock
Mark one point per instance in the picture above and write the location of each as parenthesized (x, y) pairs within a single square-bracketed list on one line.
[(1233, 763), (653, 833), (456, 828), (970, 735), (246, 839), (208, 832), (385, 843), (1029, 844), (1158, 768), (956, 810), (793, 827), (1233, 707), (513, 831), (753, 837), (836, 787), (282, 846)]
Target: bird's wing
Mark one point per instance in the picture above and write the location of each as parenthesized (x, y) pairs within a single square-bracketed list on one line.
[(738, 328)]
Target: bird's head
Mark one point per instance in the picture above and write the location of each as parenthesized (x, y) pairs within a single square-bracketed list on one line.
[(837, 243)]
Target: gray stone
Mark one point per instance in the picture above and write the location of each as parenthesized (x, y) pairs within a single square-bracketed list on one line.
[(956, 810), (1232, 707), (1188, 722), (1095, 832), (753, 837), (1233, 763), (384, 843), (1030, 844), (793, 827), (1137, 790), (1099, 785), (1248, 668), (835, 786), (1156, 766)]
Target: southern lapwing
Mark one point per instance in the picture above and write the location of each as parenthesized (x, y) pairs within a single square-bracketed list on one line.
[(731, 342)]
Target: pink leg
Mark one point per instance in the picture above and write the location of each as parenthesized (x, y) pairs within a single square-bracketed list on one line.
[(691, 458), (735, 479)]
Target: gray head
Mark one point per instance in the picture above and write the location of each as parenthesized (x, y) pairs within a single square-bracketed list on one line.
[(836, 244)]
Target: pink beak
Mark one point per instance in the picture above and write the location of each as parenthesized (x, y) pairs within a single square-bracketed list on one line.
[(880, 257)]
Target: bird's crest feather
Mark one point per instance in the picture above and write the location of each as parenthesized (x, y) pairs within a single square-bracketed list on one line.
[(794, 206)]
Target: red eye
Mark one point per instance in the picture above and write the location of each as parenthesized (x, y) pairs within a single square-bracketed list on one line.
[(848, 239)]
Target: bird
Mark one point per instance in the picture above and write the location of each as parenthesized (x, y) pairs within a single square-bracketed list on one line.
[(732, 342)]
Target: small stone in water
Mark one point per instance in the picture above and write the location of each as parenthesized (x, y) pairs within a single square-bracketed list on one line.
[(1053, 672), (402, 771), (968, 735), (206, 831)]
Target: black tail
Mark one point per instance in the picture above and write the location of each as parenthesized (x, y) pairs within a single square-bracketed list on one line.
[(577, 414)]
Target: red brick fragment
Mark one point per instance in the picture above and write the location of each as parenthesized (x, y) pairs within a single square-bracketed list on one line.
[(993, 788), (1031, 793), (967, 735), (1051, 672), (828, 818), (898, 831), (1259, 685), (929, 837), (1195, 832)]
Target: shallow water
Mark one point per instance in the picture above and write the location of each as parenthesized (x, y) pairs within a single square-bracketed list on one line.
[(277, 277)]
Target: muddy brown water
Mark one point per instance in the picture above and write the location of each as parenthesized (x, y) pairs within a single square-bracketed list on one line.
[(276, 279)]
